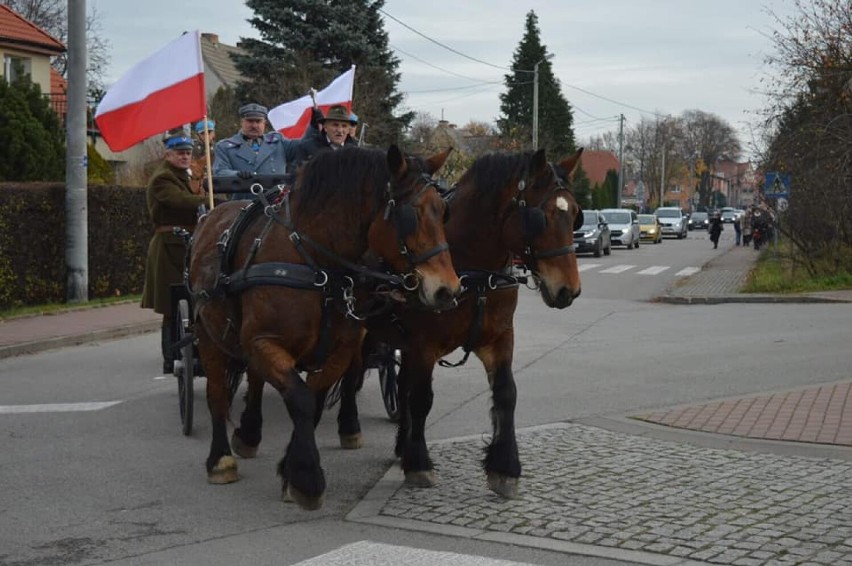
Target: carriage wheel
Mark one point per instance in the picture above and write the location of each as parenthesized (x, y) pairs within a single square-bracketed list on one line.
[(185, 371), (388, 372)]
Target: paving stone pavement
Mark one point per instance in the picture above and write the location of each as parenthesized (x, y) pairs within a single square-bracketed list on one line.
[(610, 490)]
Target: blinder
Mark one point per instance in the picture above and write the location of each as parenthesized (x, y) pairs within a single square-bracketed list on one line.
[(405, 219), (578, 220), (535, 221)]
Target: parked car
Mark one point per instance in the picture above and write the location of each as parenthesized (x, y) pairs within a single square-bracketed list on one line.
[(650, 228), (698, 221), (673, 221), (623, 226), (594, 236)]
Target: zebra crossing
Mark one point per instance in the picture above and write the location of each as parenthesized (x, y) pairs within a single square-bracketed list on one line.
[(634, 269)]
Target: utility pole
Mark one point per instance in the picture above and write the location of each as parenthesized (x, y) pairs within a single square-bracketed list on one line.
[(76, 212), (663, 177), (620, 161), (535, 101)]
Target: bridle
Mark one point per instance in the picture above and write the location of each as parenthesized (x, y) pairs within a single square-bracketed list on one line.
[(534, 221), (404, 218)]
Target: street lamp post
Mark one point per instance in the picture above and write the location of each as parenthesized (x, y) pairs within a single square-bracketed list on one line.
[(535, 101)]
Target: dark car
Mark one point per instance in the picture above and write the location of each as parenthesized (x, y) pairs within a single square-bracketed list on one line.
[(594, 236), (699, 221)]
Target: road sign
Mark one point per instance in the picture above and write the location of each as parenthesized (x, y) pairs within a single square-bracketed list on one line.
[(777, 185), (781, 204)]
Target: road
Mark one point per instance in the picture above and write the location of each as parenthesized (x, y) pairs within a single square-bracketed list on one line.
[(117, 483)]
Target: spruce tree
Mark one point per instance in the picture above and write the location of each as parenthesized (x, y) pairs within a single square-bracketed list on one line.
[(555, 119), (306, 43)]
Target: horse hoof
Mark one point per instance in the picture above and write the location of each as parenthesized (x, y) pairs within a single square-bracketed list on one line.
[(352, 441), (224, 472), (242, 449), (425, 478), (305, 502), (504, 486)]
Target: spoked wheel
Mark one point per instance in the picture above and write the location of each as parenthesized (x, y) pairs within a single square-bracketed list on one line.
[(388, 372), (185, 368)]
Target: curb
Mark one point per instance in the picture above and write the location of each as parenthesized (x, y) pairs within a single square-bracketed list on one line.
[(42, 345), (745, 298)]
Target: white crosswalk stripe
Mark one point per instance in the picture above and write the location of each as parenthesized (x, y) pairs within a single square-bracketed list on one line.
[(588, 266), (369, 553), (687, 271), (654, 270), (617, 269)]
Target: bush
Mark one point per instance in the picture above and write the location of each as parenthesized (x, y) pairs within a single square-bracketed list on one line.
[(32, 242)]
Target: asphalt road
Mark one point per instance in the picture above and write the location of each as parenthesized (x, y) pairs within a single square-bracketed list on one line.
[(120, 485)]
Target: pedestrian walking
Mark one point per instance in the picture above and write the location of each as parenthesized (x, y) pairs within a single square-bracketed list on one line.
[(738, 230), (716, 229), (745, 227)]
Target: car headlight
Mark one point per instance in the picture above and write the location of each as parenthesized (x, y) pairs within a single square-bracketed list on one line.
[(652, 230), (677, 224), (588, 234)]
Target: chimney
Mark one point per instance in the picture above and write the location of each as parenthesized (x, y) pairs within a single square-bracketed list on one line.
[(443, 123), (211, 37)]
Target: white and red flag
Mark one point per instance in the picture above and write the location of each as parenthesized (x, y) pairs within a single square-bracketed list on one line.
[(161, 92), (292, 118)]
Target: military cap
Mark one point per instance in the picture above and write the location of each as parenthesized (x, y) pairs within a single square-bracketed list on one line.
[(338, 113), (199, 127), (178, 141), (252, 111), (353, 119)]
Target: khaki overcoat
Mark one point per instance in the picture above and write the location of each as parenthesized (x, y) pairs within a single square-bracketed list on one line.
[(171, 203)]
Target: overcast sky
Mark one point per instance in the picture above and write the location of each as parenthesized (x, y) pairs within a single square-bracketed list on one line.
[(612, 57)]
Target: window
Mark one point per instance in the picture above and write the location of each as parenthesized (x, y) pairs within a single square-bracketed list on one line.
[(15, 67)]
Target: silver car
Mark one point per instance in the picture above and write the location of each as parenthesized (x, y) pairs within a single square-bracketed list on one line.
[(623, 226), (673, 221)]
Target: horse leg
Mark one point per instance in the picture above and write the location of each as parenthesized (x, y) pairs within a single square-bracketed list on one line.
[(417, 376), (246, 438), (221, 465), (302, 477), (348, 425), (502, 463)]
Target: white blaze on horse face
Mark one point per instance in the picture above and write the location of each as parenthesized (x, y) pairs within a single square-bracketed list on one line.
[(562, 203)]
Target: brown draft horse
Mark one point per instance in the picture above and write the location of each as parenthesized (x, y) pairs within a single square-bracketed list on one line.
[(505, 205), (343, 203)]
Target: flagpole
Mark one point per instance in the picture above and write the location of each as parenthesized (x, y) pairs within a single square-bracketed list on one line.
[(209, 164)]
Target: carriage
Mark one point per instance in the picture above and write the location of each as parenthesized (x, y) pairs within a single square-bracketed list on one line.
[(187, 366)]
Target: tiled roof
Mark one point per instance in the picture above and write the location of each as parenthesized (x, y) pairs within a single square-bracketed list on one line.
[(15, 30), (218, 58), (597, 163)]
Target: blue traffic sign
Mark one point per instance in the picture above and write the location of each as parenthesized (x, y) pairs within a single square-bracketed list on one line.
[(777, 185)]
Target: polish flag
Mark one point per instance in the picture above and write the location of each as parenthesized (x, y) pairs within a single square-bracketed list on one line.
[(161, 92), (292, 118)]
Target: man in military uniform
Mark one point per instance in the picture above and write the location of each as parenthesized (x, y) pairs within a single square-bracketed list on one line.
[(251, 152), (171, 204)]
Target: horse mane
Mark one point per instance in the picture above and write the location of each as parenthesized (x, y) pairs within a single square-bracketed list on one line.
[(340, 175)]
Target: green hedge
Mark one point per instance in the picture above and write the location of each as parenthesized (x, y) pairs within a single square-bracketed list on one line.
[(32, 242)]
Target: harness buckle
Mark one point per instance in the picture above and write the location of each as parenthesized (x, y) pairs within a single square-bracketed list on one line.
[(321, 282), (410, 281), (295, 238)]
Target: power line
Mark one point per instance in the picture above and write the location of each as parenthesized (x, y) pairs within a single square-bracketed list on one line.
[(483, 83), (447, 47), (437, 67)]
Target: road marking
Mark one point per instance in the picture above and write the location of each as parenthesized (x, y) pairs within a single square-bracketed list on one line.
[(57, 407), (376, 553), (617, 269), (654, 270), (587, 266), (687, 271)]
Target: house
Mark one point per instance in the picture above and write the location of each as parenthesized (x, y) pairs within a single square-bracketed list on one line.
[(219, 67), (28, 49), (597, 163)]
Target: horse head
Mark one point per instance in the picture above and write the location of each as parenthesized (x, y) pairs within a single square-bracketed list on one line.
[(409, 234), (540, 227)]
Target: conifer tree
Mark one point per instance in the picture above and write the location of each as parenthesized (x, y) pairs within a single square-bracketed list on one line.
[(306, 43), (555, 119), (32, 143)]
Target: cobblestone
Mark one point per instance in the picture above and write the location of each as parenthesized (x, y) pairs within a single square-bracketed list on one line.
[(592, 486)]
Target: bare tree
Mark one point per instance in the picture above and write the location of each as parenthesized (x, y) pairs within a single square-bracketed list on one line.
[(52, 17), (809, 131), (704, 139)]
